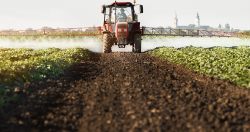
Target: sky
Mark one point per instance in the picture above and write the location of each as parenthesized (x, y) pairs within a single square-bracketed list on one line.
[(23, 14)]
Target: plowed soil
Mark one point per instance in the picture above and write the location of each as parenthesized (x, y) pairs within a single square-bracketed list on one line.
[(128, 92)]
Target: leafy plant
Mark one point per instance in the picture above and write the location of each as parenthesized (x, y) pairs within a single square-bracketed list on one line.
[(221, 62), (23, 65)]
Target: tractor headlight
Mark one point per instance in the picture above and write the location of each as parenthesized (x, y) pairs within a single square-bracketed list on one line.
[(119, 30), (125, 30)]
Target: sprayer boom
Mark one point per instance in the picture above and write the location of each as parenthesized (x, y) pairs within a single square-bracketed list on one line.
[(145, 31)]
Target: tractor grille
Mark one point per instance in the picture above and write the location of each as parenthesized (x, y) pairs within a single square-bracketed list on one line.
[(122, 26)]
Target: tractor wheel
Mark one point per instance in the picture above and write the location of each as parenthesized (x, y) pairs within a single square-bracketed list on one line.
[(107, 43), (137, 41)]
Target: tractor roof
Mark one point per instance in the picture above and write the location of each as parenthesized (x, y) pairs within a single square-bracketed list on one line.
[(122, 3)]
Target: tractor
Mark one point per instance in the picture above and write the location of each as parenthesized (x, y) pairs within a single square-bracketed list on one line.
[(121, 26)]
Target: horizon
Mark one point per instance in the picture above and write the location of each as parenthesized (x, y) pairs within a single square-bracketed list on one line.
[(20, 15)]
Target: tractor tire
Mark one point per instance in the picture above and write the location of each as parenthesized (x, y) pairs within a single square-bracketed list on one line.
[(107, 43), (137, 41)]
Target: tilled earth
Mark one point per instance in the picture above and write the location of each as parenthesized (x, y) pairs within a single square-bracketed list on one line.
[(128, 92)]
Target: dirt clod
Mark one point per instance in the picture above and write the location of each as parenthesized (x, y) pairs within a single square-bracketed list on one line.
[(17, 89)]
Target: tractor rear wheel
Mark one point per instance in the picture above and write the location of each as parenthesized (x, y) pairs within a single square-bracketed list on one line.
[(107, 43), (137, 41)]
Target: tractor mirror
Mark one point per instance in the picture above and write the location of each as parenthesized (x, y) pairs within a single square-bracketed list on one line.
[(103, 8), (141, 8)]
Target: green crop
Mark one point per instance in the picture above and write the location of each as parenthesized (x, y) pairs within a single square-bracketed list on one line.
[(23, 65), (220, 62)]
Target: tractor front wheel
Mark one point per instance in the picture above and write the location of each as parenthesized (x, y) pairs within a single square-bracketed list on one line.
[(137, 41), (107, 43)]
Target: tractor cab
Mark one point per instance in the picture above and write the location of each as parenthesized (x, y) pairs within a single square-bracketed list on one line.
[(120, 24), (123, 12), (119, 12)]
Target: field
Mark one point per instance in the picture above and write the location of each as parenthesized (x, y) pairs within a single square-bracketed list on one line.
[(231, 64), (165, 89), (25, 65)]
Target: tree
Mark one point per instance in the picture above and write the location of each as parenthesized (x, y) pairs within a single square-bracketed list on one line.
[(219, 26), (210, 29), (9, 30), (29, 29), (227, 27), (45, 27), (159, 29), (190, 26)]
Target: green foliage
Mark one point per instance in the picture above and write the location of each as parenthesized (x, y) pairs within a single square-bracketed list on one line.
[(23, 65), (45, 27), (247, 34), (227, 26), (219, 26), (9, 30), (247, 31), (220, 62), (191, 26)]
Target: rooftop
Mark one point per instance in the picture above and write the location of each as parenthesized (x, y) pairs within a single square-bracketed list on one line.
[(122, 3)]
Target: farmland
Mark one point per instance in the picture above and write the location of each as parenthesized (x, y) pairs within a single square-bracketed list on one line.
[(220, 62), (24, 65), (167, 89), (128, 92)]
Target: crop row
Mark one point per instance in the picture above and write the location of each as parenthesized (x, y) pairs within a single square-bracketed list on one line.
[(23, 65), (220, 62)]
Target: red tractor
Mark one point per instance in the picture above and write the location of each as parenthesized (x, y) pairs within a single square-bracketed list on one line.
[(121, 26)]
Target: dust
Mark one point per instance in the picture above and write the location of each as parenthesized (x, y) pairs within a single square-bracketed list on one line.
[(95, 45), (205, 42), (178, 42)]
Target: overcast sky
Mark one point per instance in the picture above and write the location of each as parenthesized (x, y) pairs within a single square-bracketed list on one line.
[(23, 14)]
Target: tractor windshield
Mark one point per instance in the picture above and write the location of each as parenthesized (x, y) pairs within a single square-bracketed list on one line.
[(123, 14)]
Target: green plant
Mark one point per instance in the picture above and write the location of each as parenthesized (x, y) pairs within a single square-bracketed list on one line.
[(221, 62), (23, 65)]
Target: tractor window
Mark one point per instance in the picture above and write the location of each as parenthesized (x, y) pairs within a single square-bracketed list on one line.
[(123, 14), (107, 15)]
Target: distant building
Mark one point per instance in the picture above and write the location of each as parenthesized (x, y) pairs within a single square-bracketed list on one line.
[(175, 21), (197, 23), (197, 20)]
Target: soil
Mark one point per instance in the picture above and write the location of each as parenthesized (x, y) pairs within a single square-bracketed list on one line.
[(128, 92)]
